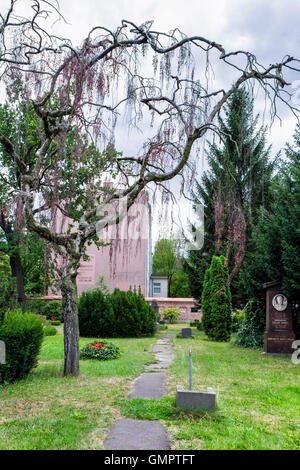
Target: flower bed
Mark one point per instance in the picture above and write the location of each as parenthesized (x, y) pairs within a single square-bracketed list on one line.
[(100, 350)]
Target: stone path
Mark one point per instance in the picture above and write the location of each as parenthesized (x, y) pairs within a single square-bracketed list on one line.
[(133, 434)]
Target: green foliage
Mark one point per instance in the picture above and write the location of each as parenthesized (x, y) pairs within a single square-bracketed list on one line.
[(171, 314), (50, 331), (241, 168), (276, 250), (121, 314), (8, 293), (205, 303), (32, 255), (251, 331), (55, 322), (95, 314), (166, 260), (216, 301), (200, 326), (100, 350), (237, 320), (22, 334), (48, 308)]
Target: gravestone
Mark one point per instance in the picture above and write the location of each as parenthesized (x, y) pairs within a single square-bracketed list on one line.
[(279, 334), (154, 305), (186, 332)]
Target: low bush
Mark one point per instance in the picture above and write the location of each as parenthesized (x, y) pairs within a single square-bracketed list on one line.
[(237, 320), (251, 331), (48, 308), (171, 314), (200, 326), (50, 331), (100, 350), (55, 322), (22, 334)]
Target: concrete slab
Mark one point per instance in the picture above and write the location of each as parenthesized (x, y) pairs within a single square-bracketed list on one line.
[(134, 434), (195, 400), (149, 385)]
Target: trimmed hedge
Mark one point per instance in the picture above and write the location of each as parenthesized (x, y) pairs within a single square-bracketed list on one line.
[(48, 308), (120, 314), (22, 334), (50, 331)]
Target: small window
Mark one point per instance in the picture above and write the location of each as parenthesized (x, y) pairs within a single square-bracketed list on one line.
[(156, 287), (194, 310)]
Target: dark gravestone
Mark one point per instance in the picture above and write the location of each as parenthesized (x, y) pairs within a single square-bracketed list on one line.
[(186, 332), (154, 305), (279, 334)]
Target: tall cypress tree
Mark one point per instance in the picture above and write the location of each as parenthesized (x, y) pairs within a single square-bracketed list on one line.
[(235, 186), (216, 301)]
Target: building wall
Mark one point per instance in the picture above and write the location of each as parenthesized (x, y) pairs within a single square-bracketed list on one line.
[(127, 260), (185, 305), (163, 287)]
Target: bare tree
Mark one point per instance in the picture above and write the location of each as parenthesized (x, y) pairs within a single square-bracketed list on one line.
[(23, 35), (84, 90)]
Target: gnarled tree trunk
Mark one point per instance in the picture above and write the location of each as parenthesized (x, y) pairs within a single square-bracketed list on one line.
[(71, 328), (17, 272)]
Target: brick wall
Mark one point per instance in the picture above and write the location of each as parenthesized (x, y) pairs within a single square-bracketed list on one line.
[(185, 305)]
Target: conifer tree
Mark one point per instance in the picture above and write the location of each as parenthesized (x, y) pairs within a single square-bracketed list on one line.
[(276, 253), (232, 190), (216, 301)]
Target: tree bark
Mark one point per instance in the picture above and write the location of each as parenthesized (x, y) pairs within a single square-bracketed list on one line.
[(17, 272), (12, 238), (71, 328)]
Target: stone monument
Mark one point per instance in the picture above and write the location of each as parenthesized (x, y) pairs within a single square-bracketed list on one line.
[(279, 334), (186, 332)]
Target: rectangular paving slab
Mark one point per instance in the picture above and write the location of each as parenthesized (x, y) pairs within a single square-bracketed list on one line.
[(135, 434), (149, 385)]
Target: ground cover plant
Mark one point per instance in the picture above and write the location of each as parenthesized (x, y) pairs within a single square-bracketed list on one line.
[(101, 350)]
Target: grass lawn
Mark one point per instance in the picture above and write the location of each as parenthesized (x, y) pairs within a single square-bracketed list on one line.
[(47, 411), (258, 398), (258, 403)]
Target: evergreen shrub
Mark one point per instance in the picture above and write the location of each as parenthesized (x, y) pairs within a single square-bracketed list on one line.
[(22, 334)]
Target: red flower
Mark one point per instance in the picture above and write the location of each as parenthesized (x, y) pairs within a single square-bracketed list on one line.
[(97, 346)]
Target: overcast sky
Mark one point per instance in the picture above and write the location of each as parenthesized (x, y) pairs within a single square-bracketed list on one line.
[(269, 29)]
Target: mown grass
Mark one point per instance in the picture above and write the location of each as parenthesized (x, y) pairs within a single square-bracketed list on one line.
[(48, 411), (258, 398)]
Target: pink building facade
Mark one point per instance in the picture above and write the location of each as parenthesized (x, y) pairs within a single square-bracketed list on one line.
[(126, 261)]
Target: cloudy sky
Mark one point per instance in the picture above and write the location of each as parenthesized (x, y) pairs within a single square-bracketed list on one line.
[(268, 29)]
